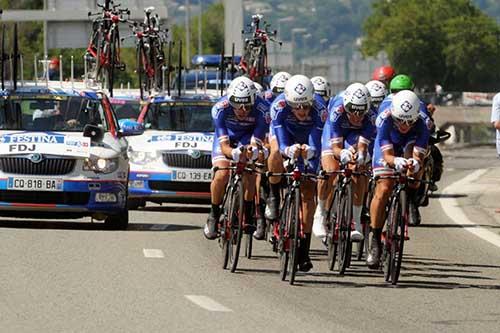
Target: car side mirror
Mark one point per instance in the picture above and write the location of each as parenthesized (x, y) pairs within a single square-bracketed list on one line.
[(94, 132)]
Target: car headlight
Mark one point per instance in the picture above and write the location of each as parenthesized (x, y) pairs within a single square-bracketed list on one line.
[(100, 165), (142, 157)]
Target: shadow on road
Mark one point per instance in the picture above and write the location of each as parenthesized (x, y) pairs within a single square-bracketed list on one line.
[(447, 195), (456, 226), (88, 226), (177, 209)]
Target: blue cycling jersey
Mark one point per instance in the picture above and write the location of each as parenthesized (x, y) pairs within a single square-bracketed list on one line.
[(228, 126), (339, 130), (289, 130), (389, 137), (269, 96)]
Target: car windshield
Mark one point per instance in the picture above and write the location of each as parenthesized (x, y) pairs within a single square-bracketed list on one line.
[(126, 109), (51, 113), (193, 117)]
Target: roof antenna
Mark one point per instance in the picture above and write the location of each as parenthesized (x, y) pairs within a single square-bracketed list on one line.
[(222, 70), (179, 69), (3, 57), (15, 57)]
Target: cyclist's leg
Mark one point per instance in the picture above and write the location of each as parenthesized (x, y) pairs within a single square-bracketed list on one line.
[(359, 187), (325, 186), (262, 188), (249, 200), (381, 195), (308, 191), (217, 188), (325, 190), (275, 164), (414, 213)]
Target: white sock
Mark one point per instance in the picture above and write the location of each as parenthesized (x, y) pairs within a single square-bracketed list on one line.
[(356, 215), (321, 205)]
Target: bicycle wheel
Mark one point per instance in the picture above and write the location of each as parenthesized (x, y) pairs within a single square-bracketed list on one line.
[(237, 224), (332, 237), (397, 245), (283, 240), (225, 228), (344, 216), (294, 239), (390, 238)]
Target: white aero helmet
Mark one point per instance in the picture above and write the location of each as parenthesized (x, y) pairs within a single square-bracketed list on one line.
[(259, 89), (357, 99), (278, 82), (299, 91), (405, 107), (241, 91), (377, 90), (321, 86)]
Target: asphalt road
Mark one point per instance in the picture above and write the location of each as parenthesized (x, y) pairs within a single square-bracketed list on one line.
[(161, 275)]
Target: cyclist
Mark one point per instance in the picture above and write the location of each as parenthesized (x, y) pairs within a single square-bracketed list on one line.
[(322, 88), (277, 86), (384, 74), (346, 138), (296, 129), (378, 93), (399, 83), (259, 89), (400, 145), (239, 121)]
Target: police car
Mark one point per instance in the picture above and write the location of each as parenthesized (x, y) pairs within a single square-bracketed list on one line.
[(62, 155), (171, 161)]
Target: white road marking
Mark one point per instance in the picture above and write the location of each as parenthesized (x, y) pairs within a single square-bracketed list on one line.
[(153, 253), (450, 169), (207, 303), (452, 208)]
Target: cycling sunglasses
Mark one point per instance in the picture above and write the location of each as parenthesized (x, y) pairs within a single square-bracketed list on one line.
[(239, 106), (300, 105), (407, 123)]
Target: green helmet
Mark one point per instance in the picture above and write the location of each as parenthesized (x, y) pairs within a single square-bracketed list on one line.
[(401, 82)]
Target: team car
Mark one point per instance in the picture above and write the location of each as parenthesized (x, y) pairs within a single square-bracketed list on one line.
[(62, 155), (127, 106), (171, 161)]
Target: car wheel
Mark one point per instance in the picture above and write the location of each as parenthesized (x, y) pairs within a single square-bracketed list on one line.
[(118, 221), (133, 204)]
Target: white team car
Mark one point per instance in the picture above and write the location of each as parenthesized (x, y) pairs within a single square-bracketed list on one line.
[(62, 155), (171, 161)]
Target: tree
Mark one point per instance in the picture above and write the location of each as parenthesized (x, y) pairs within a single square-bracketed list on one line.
[(447, 41)]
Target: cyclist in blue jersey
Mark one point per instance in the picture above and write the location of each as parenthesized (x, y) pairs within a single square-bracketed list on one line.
[(277, 86), (322, 88), (400, 145), (399, 83), (296, 127), (239, 120), (346, 139)]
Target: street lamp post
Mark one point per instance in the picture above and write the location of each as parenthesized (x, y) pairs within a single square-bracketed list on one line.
[(295, 31), (200, 45), (188, 34)]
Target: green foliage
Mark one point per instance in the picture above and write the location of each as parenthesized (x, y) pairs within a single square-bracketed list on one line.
[(447, 41)]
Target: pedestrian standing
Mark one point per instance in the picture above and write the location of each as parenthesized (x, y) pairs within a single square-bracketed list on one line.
[(495, 119)]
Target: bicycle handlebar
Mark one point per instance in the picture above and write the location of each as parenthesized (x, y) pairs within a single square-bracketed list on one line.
[(402, 178)]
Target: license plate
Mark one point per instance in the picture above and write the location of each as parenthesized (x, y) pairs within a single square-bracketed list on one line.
[(189, 175), (34, 184)]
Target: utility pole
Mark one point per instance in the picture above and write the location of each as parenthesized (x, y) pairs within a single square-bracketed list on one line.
[(200, 45), (188, 35)]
